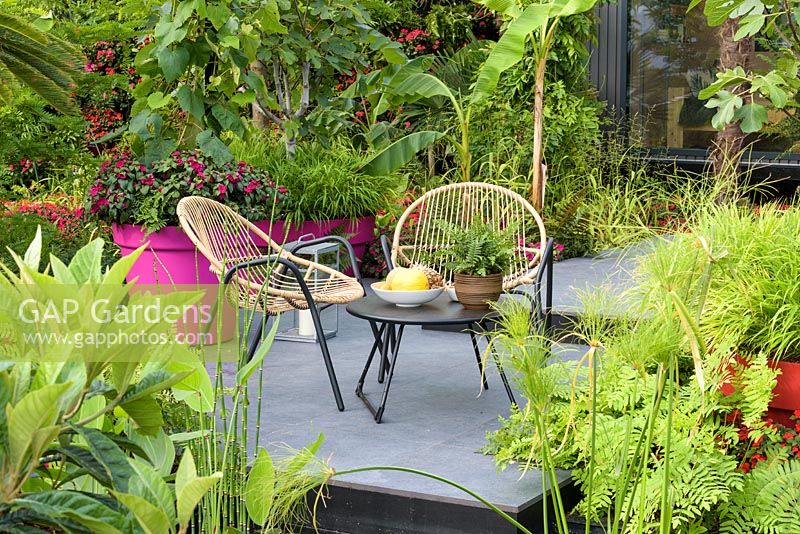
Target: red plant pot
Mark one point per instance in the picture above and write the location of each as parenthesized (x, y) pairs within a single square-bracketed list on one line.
[(786, 395)]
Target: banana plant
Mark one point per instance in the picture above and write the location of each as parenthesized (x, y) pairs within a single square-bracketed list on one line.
[(527, 28)]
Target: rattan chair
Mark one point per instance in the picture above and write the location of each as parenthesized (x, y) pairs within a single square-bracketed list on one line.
[(265, 277), (461, 204)]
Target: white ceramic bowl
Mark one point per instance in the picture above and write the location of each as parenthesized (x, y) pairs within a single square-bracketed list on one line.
[(451, 292), (406, 299)]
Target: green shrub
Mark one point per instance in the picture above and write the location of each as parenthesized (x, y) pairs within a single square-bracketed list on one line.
[(683, 375), (40, 150), (322, 182)]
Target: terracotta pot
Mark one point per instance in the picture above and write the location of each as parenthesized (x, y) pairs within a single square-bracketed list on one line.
[(474, 292)]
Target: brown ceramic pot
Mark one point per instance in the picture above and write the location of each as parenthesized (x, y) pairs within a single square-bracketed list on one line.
[(475, 292)]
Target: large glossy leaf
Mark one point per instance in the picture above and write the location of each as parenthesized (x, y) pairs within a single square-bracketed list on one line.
[(80, 508), (507, 7), (108, 454), (417, 65), (86, 264), (35, 412), (84, 459), (263, 348), (34, 253), (394, 156), (173, 62), (565, 8), (195, 389), (146, 413), (421, 85), (158, 380), (160, 450), (189, 488), (509, 49), (152, 519), (150, 485), (260, 488), (753, 117)]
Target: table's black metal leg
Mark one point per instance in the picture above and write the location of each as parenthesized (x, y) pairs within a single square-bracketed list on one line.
[(389, 374), (474, 340), (377, 333), (503, 377), (386, 347)]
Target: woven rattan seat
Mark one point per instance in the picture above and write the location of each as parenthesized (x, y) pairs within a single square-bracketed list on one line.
[(227, 239), (460, 204), (263, 276)]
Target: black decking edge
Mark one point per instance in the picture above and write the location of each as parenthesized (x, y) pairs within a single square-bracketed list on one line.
[(360, 509)]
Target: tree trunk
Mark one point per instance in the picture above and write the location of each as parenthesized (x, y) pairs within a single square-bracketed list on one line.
[(730, 140), (537, 184), (290, 141), (259, 119)]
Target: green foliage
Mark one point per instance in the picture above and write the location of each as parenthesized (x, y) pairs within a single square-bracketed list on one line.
[(743, 97), (66, 465), (480, 249), (41, 62), (323, 182), (300, 60), (18, 228), (53, 144), (767, 502), (128, 192), (648, 421), (754, 298)]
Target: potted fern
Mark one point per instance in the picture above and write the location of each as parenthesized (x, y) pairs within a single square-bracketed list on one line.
[(479, 256)]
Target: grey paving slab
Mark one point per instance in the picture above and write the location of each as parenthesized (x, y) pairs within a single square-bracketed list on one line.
[(436, 417)]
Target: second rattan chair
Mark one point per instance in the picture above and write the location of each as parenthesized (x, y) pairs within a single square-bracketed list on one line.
[(266, 277)]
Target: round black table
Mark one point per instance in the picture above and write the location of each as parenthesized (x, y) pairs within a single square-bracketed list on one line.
[(388, 322)]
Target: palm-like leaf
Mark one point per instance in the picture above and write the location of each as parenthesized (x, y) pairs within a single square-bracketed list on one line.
[(47, 65)]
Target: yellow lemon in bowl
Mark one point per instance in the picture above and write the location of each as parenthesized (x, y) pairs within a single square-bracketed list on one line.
[(403, 279)]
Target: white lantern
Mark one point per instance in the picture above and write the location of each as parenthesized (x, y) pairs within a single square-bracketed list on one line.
[(298, 325)]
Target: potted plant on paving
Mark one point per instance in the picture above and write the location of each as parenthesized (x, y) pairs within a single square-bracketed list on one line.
[(479, 256)]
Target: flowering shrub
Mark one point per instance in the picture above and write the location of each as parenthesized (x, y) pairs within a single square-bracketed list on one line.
[(26, 169), (102, 121), (68, 220), (62, 223), (108, 59), (105, 99), (778, 442), (417, 42), (558, 250), (127, 191)]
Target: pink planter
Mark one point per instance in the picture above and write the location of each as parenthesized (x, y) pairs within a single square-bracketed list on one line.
[(171, 258)]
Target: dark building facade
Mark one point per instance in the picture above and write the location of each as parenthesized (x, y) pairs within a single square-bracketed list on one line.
[(651, 60)]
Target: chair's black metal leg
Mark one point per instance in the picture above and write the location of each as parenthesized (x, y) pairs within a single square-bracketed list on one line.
[(326, 355), (254, 335), (503, 377), (390, 373), (377, 333), (478, 356)]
